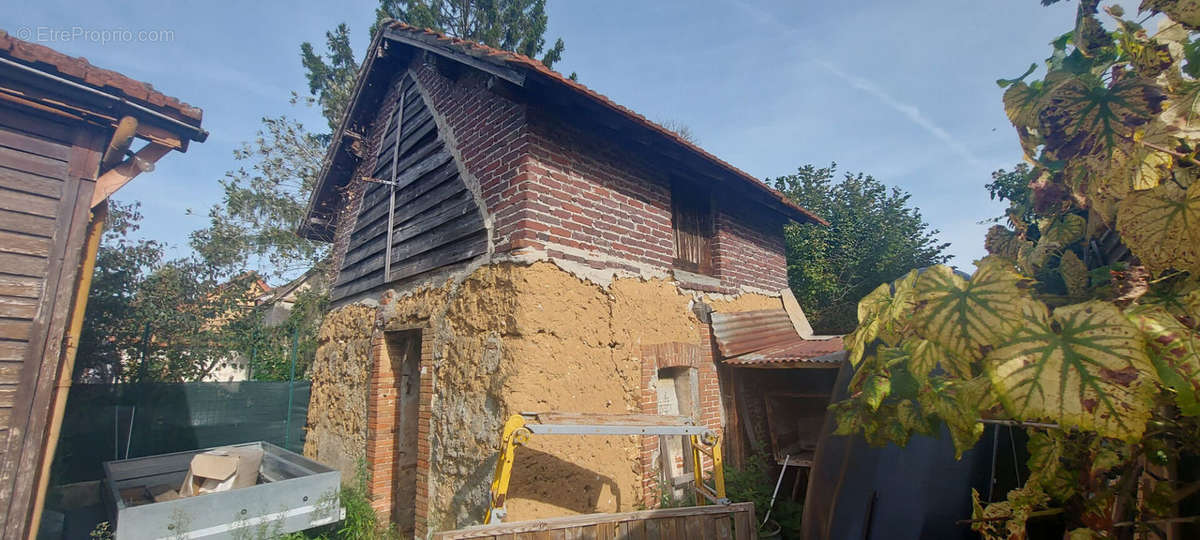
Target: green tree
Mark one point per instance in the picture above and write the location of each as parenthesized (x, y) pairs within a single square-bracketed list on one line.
[(150, 318), (874, 237), (254, 225)]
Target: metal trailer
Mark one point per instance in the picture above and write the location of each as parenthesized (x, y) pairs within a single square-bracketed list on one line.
[(294, 494), (518, 428)]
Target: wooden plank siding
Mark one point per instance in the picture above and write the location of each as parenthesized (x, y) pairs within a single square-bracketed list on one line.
[(734, 522), (47, 175), (419, 214)]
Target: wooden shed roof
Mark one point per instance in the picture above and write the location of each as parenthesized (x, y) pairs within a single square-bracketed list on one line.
[(127, 95)]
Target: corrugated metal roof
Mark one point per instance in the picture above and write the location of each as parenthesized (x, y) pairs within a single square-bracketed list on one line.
[(801, 351), (767, 338)]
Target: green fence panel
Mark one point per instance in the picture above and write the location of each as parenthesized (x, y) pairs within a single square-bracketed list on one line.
[(109, 421)]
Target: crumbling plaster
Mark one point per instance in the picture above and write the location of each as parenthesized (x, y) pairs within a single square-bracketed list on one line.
[(508, 337)]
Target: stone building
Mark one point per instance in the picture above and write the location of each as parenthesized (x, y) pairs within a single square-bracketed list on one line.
[(508, 240)]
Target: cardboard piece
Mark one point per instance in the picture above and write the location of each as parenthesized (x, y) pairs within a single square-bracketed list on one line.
[(134, 496), (222, 469), (163, 492)]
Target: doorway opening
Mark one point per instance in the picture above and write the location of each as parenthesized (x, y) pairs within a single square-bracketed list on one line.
[(404, 358)]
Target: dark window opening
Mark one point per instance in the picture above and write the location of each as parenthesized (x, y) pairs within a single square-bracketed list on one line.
[(691, 221)]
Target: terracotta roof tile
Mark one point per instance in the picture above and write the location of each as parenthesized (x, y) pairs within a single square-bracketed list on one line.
[(518, 60), (79, 70)]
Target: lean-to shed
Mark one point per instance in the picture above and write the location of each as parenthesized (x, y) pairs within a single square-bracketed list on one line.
[(71, 134)]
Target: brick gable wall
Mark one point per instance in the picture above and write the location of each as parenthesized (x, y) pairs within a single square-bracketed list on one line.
[(552, 187)]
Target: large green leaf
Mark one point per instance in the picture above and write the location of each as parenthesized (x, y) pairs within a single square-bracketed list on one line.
[(1003, 242), (1063, 230), (1084, 367), (1186, 12), (1074, 273), (969, 317), (954, 403), (1175, 351), (1162, 226), (1084, 116), (1046, 465)]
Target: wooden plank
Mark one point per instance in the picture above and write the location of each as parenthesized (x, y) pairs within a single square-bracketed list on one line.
[(22, 265), (743, 526), (34, 145), (30, 183), (26, 203), (32, 163), (421, 162), (38, 126), (15, 329), (7, 393), (459, 204), (12, 351), (667, 528), (16, 307), (693, 527), (708, 528), (20, 286), (361, 268), (32, 407), (653, 529), (644, 524), (411, 136), (5, 413), (724, 527), (637, 530), (10, 371), (461, 251), (623, 531), (24, 244), (120, 175), (25, 223), (433, 179), (408, 177), (435, 238)]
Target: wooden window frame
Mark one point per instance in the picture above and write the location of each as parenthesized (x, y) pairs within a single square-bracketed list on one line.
[(692, 228)]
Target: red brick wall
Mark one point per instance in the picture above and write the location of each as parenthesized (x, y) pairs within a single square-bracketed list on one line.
[(550, 185), (664, 355), (381, 430), (749, 248)]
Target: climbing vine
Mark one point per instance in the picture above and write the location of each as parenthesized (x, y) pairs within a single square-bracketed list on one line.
[(1082, 325)]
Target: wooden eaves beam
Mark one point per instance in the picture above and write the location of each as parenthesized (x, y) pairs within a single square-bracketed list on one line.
[(116, 178), (513, 76)]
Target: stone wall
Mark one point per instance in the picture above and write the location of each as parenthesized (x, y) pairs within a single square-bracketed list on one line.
[(503, 339)]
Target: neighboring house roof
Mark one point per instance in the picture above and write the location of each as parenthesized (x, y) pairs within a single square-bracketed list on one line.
[(519, 70), (769, 338), (127, 95)]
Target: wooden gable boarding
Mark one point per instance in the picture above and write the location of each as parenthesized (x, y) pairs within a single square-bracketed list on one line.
[(416, 212)]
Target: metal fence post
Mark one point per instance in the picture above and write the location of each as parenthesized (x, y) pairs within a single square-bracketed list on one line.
[(287, 430)]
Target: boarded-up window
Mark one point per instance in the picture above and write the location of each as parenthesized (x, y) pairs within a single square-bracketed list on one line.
[(677, 394), (691, 220)]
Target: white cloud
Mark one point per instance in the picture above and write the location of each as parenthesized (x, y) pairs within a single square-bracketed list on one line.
[(909, 111)]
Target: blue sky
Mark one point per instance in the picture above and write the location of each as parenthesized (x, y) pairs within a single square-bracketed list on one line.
[(903, 91)]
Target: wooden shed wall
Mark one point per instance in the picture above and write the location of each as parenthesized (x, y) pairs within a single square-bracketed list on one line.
[(47, 175), (424, 210)]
